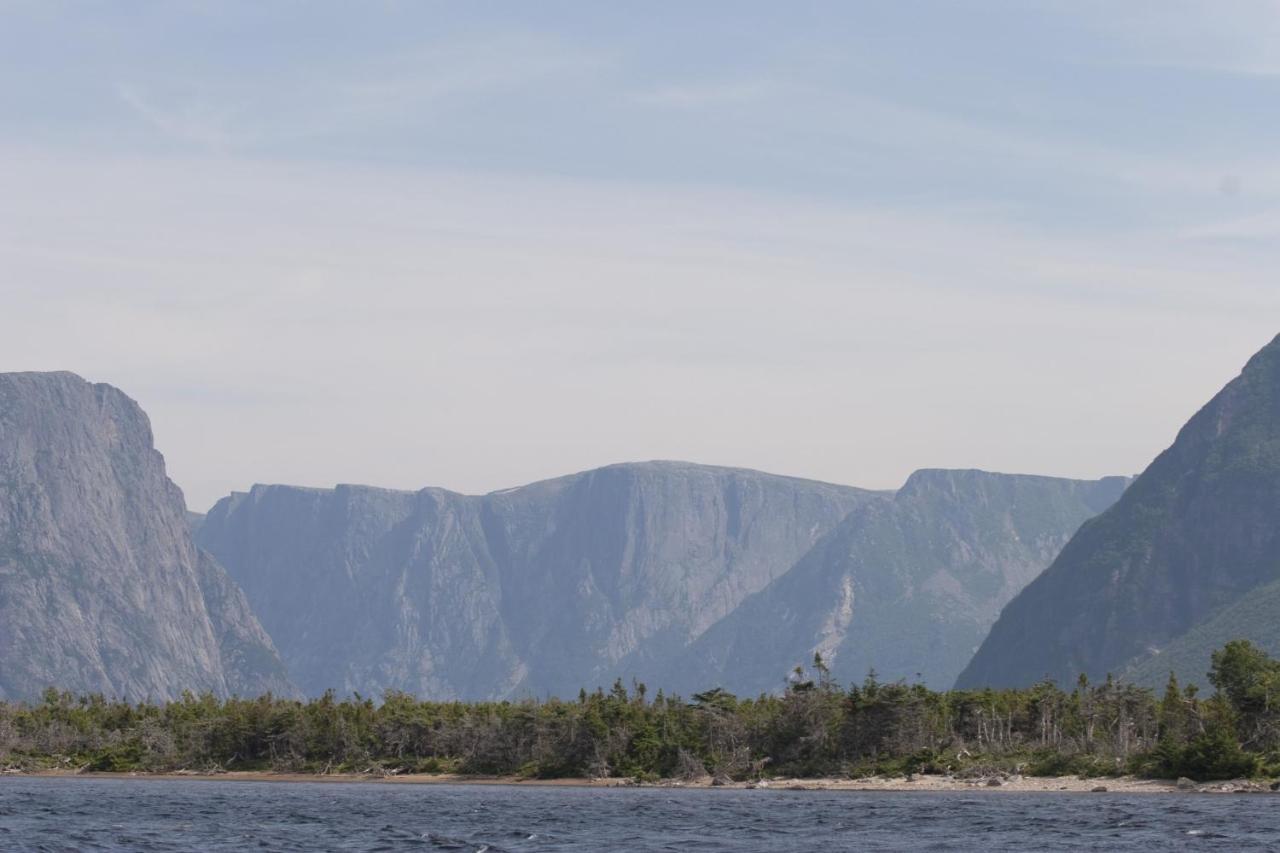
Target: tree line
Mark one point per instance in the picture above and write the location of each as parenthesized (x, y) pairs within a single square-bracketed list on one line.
[(815, 727)]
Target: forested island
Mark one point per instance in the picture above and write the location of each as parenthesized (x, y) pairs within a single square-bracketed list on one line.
[(816, 728)]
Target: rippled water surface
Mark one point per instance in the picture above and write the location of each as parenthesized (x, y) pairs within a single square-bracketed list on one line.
[(152, 814)]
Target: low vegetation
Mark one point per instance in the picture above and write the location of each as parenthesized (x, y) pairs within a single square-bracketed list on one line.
[(814, 728)]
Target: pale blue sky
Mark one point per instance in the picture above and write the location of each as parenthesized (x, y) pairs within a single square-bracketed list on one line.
[(473, 244)]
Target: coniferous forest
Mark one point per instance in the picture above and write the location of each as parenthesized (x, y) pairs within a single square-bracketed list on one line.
[(816, 727)]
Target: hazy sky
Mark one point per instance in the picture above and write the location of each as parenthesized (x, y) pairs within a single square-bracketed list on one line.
[(474, 244)]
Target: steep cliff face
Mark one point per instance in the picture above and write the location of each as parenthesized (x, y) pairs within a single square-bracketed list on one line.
[(367, 589), (639, 560), (101, 588), (541, 589), (680, 575), (1194, 533), (908, 587)]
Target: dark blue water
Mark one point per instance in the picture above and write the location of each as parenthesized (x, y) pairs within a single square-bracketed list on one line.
[(141, 814)]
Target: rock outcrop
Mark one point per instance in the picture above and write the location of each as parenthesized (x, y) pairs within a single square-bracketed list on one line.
[(101, 587)]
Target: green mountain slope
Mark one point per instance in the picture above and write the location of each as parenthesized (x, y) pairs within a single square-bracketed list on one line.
[(1195, 532), (1255, 617)]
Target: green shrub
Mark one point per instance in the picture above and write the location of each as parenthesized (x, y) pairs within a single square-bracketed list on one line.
[(117, 758), (1215, 754), (1051, 763)]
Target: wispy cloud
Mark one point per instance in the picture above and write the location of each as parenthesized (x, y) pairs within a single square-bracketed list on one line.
[(1260, 227), (697, 94), (1229, 36), (412, 315), (502, 62), (791, 242), (191, 121), (230, 111)]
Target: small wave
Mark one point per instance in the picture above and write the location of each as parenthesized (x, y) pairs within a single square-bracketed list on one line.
[(444, 842)]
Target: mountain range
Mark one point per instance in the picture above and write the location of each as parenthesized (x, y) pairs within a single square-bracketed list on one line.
[(545, 588), (654, 571), (664, 572), (677, 575)]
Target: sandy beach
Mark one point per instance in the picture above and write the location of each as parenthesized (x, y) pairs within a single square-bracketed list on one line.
[(920, 783)]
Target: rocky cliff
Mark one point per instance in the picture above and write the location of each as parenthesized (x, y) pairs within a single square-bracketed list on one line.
[(678, 575), (541, 589), (101, 588), (1195, 533), (908, 587)]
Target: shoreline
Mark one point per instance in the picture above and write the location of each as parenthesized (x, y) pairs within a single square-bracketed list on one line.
[(898, 784)]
